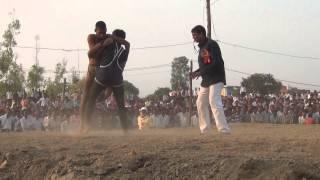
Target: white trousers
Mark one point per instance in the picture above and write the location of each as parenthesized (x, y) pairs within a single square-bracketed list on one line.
[(211, 96)]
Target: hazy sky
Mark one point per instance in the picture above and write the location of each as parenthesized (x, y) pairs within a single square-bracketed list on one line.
[(287, 26)]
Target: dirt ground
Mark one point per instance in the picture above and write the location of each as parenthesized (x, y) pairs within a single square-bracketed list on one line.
[(252, 151)]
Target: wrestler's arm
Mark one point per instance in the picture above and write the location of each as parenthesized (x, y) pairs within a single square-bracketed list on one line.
[(94, 47), (195, 74)]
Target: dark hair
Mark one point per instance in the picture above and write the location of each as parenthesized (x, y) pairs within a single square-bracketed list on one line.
[(119, 33), (199, 29), (101, 25)]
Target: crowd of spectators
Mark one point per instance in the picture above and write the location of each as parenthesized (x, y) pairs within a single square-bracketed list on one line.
[(37, 111)]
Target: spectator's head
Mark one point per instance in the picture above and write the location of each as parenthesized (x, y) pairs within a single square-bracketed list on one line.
[(301, 113), (143, 111)]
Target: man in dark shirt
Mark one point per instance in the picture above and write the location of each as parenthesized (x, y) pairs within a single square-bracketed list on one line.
[(109, 75), (211, 69)]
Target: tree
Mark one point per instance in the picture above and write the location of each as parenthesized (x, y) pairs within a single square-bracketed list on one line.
[(51, 88), (7, 55), (76, 87), (16, 77), (55, 87), (11, 75), (75, 76), (35, 77), (179, 73), (60, 71), (262, 84), (160, 92), (130, 90)]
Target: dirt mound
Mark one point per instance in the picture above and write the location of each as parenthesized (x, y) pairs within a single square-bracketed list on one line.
[(250, 152)]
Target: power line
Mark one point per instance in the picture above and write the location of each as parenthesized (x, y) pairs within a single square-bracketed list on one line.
[(166, 65), (186, 43), (267, 51), (137, 48), (126, 70), (287, 81), (163, 46), (147, 67), (50, 49), (156, 72)]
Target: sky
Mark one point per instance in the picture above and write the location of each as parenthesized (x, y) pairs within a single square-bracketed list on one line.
[(286, 26)]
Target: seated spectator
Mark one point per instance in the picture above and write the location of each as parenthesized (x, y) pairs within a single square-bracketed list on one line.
[(194, 119), (309, 120), (301, 117), (316, 114), (164, 119), (26, 121), (74, 121), (266, 114), (182, 118), (244, 115), (144, 121), (259, 114), (156, 117), (64, 126), (49, 122), (280, 116), (288, 116), (7, 121), (273, 114), (253, 115), (29, 121)]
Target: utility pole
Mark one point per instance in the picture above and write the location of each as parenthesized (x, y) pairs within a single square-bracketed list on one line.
[(190, 94), (64, 88), (78, 64), (208, 18), (37, 38)]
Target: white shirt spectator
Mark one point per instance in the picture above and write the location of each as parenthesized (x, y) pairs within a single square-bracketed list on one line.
[(43, 102), (182, 118), (9, 95), (194, 120), (7, 122), (163, 121), (30, 123), (26, 123), (301, 120)]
